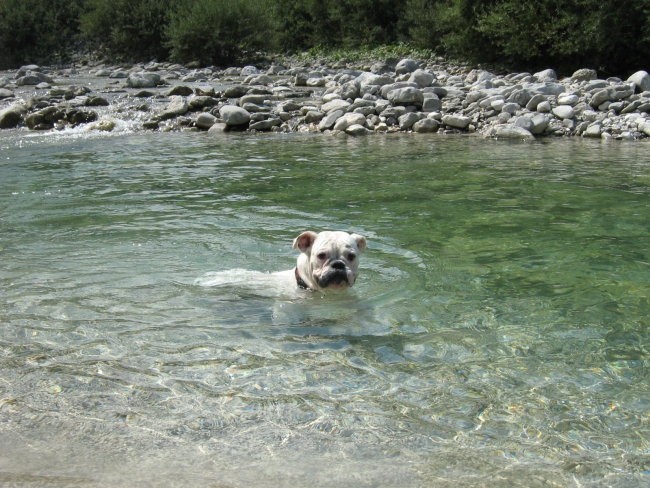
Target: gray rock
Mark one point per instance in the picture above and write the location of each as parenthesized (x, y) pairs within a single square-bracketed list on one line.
[(584, 74), (406, 65), (406, 96), (182, 90), (336, 104), (546, 75), (45, 118), (177, 106), (564, 112), (456, 121), (539, 123), (205, 121), (431, 103), (426, 125), (143, 79), (5, 93), (641, 80), (510, 108), (118, 74), (593, 130), (264, 125), (422, 78), (568, 99), (356, 130), (535, 101), (217, 128), (233, 115), (351, 89), (260, 79), (520, 97), (366, 79), (11, 116), (248, 70), (313, 116), (509, 132), (96, 101), (330, 119), (348, 120), (200, 102), (235, 91), (599, 98), (407, 120), (33, 78)]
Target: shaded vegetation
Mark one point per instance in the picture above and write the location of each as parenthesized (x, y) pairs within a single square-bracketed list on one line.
[(613, 37)]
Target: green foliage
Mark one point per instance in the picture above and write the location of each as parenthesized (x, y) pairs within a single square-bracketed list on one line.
[(218, 31), (128, 29), (613, 37), (35, 31)]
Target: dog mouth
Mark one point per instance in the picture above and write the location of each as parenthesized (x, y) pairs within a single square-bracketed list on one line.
[(334, 279)]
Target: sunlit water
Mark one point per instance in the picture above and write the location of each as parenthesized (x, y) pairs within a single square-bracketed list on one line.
[(497, 335)]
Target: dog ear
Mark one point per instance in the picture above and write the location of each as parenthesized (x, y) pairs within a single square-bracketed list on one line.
[(361, 242), (305, 240)]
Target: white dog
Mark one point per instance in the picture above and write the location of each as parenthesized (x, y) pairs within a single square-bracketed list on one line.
[(328, 260)]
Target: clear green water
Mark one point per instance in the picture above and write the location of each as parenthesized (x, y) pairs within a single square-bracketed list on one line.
[(498, 333)]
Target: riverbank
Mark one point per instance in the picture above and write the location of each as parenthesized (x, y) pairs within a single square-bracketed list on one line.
[(407, 95)]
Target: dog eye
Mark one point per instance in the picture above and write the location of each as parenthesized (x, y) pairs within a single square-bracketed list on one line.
[(351, 256), (322, 256)]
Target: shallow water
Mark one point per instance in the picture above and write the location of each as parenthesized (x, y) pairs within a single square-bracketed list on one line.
[(497, 335)]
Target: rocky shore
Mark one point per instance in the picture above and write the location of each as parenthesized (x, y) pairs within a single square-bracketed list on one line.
[(407, 96)]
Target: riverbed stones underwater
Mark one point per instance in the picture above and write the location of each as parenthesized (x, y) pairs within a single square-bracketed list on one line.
[(406, 96)]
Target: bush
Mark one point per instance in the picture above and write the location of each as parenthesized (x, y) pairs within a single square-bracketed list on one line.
[(129, 29), (218, 31), (37, 31)]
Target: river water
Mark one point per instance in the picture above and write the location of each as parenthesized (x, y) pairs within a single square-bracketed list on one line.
[(497, 334)]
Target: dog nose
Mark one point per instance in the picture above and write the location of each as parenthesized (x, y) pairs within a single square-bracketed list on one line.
[(338, 264)]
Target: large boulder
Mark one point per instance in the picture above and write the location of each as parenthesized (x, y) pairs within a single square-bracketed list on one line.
[(406, 96), (641, 80), (456, 121), (11, 116), (233, 115), (143, 79), (406, 66)]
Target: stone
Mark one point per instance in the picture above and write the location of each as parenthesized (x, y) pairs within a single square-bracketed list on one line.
[(539, 123), (143, 79), (261, 79), (356, 130), (235, 91), (313, 116), (330, 119), (431, 103), (96, 101), (217, 128), (200, 102), (584, 74), (598, 98), (509, 132), (45, 118), (248, 70), (105, 125), (568, 99), (407, 120), (12, 116), (77, 116), (205, 120), (33, 78), (456, 121), (426, 125), (182, 90), (546, 75), (406, 96), (406, 65), (422, 78), (593, 130), (264, 125), (641, 80), (367, 79), (535, 101), (233, 115), (177, 106), (349, 119), (564, 112), (510, 107), (336, 104), (5, 93), (351, 89)]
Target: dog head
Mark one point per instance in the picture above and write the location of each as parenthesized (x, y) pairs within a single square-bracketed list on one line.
[(328, 260)]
